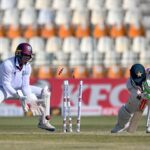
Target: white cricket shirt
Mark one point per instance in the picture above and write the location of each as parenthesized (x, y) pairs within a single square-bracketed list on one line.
[(12, 79)]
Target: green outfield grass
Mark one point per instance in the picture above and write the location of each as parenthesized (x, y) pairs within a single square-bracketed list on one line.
[(21, 133)]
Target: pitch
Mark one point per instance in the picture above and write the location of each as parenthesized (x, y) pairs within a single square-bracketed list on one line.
[(21, 133)]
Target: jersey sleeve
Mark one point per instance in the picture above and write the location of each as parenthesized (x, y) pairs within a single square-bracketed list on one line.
[(26, 81), (7, 78), (133, 90), (148, 73)]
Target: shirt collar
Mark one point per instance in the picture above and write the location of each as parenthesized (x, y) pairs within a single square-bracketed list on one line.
[(17, 64)]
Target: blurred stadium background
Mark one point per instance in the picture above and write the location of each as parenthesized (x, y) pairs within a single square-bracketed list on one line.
[(90, 39)]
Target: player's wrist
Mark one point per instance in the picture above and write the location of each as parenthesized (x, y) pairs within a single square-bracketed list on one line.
[(16, 95)]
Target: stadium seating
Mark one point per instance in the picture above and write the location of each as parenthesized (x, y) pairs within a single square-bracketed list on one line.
[(43, 4), (78, 4), (129, 58), (80, 72), (77, 58), (98, 71), (53, 44), (128, 4), (16, 41), (95, 4), (92, 38), (111, 4), (87, 45), (70, 44), (139, 44), (2, 31), (45, 16), (105, 44), (45, 72), (38, 44), (60, 58), (144, 57), (13, 31), (122, 44), (47, 31), (4, 5), (25, 4), (58, 5)]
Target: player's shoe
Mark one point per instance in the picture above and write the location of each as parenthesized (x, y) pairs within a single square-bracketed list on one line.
[(118, 128), (46, 126), (148, 130)]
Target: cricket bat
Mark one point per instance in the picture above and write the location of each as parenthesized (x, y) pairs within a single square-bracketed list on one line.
[(137, 117)]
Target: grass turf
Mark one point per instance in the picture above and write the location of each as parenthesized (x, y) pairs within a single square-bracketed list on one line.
[(21, 133)]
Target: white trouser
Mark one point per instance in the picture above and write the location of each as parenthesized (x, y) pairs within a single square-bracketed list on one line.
[(35, 90)]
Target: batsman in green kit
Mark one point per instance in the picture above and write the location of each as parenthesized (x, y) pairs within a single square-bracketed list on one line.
[(130, 113)]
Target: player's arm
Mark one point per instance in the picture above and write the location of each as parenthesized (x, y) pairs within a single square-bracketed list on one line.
[(26, 90), (146, 89), (136, 93), (7, 78)]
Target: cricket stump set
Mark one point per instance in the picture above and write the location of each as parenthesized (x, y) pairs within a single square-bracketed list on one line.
[(67, 117)]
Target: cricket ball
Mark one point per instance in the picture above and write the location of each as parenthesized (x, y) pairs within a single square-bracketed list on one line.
[(48, 117)]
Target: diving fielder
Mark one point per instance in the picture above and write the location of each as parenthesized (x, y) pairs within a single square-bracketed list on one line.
[(15, 75), (131, 112)]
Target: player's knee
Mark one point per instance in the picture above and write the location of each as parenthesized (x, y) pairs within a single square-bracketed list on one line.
[(124, 113), (45, 91)]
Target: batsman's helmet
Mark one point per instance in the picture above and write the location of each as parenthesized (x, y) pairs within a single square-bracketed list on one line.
[(138, 74), (23, 49)]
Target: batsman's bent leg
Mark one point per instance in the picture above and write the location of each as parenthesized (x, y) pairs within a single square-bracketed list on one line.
[(123, 120), (43, 122)]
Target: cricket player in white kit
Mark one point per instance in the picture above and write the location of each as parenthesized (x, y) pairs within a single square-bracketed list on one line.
[(15, 75), (137, 99)]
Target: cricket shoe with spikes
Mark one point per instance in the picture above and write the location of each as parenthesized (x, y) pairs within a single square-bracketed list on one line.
[(118, 128), (46, 126)]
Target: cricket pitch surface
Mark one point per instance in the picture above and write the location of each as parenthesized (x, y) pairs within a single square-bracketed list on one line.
[(21, 133)]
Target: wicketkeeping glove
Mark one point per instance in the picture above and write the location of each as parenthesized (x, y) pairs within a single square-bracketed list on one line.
[(24, 103)]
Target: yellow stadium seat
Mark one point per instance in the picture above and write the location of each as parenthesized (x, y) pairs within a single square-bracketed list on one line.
[(127, 72), (30, 31), (13, 32), (80, 72), (134, 31), (45, 72), (98, 71), (47, 31), (98, 32), (114, 72), (2, 31), (117, 31), (65, 31), (82, 31)]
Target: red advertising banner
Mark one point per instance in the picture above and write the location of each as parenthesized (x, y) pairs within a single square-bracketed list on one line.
[(100, 96)]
